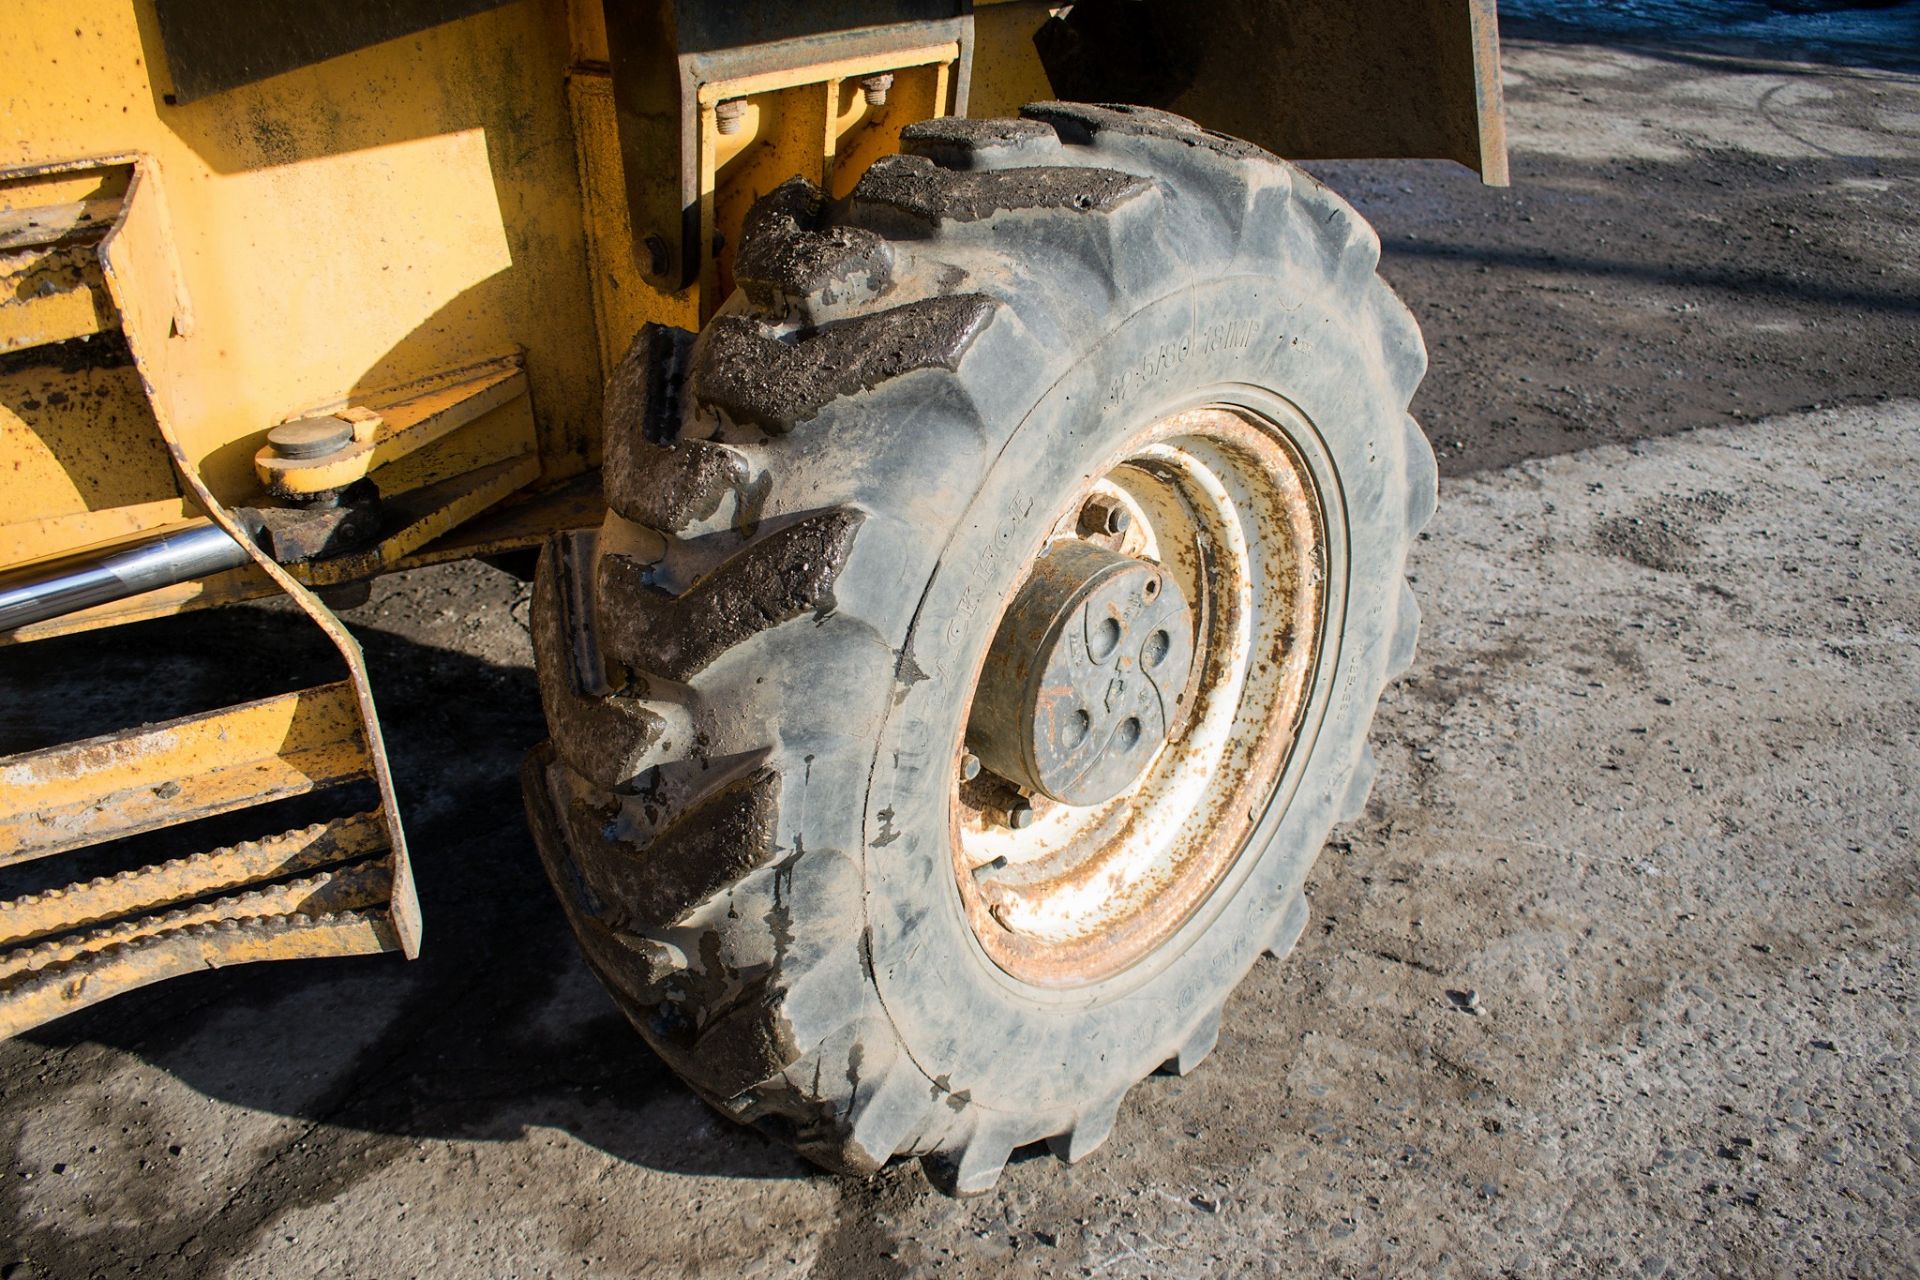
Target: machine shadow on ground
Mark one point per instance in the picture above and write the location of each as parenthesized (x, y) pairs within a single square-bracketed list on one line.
[(498, 1026)]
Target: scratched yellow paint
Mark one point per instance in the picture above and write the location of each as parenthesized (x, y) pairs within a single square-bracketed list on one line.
[(109, 898), (82, 793), (431, 232), (45, 994)]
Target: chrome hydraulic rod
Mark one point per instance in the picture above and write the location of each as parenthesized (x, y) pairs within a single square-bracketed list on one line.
[(179, 556)]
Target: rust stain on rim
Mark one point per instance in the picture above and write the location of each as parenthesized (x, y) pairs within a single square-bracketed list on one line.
[(1227, 506)]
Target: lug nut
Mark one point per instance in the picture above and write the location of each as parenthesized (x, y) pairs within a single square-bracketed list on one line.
[(1020, 816), (876, 87), (969, 767), (728, 115), (1102, 516)]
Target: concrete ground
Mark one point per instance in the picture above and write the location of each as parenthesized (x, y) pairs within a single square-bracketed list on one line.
[(1615, 977)]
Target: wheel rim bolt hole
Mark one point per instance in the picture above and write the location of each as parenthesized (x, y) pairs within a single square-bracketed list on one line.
[(1154, 652), (1076, 728), (1105, 639)]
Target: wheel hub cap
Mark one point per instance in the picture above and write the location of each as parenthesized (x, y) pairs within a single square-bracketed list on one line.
[(1085, 677)]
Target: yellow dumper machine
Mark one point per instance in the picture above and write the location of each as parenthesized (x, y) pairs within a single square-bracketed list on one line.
[(971, 522)]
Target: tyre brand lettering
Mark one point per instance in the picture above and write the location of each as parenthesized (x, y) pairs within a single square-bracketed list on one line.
[(1161, 363), (963, 611), (974, 594)]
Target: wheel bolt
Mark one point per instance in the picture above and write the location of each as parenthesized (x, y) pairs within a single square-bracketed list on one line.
[(875, 88), (1020, 815), (969, 767), (1103, 515)]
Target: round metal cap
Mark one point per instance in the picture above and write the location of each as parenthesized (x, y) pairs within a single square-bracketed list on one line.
[(314, 437), (1083, 679)]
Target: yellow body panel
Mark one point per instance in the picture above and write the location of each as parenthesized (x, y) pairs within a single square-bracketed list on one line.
[(331, 233), (622, 298), (337, 234), (1006, 67), (81, 460)]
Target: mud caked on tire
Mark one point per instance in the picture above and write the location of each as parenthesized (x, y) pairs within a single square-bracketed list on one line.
[(765, 675)]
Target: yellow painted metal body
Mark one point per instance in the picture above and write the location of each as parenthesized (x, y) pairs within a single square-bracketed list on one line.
[(811, 121), (331, 236), (426, 238), (342, 235), (122, 784), (432, 238), (1007, 73), (338, 231)]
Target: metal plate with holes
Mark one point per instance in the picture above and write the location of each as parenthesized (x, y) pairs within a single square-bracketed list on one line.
[(1080, 691)]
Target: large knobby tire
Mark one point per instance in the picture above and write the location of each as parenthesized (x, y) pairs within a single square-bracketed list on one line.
[(758, 673)]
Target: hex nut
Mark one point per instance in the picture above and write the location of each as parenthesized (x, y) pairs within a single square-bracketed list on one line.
[(728, 115), (1104, 516), (875, 88)]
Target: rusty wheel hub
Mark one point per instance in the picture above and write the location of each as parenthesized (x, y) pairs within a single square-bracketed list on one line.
[(1082, 685), (1140, 697)]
